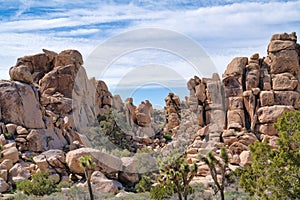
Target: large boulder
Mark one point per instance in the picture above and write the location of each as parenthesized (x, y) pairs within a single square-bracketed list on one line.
[(270, 114), (284, 81), (51, 159), (20, 105), (105, 163), (129, 174), (38, 64), (21, 73), (103, 185), (283, 61), (3, 185), (19, 172), (10, 153), (45, 139), (236, 66)]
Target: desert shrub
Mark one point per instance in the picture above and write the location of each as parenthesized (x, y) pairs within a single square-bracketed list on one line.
[(274, 173), (167, 136), (40, 184), (162, 191), (145, 183)]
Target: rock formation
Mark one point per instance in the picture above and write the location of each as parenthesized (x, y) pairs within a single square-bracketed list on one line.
[(50, 103), (206, 99), (259, 90), (173, 112), (45, 109)]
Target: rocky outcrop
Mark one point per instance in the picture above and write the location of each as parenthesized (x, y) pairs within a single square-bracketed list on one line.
[(259, 90), (206, 99), (20, 105), (44, 108), (172, 110), (106, 163), (50, 104)]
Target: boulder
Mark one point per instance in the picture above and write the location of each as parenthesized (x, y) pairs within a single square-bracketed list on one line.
[(51, 158), (117, 102), (45, 139), (3, 185), (235, 103), (283, 61), (284, 36), (236, 66), (270, 114), (10, 153), (21, 73), (20, 105), (129, 175), (278, 45), (19, 172), (245, 158), (106, 163), (103, 185), (61, 79), (252, 78), (38, 64), (6, 164), (237, 148), (266, 98), (267, 129), (143, 113), (233, 86), (11, 128), (235, 119), (284, 81), (68, 57), (288, 98)]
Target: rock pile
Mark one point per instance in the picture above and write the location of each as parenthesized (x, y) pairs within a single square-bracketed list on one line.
[(207, 100), (257, 91), (44, 108), (50, 101)]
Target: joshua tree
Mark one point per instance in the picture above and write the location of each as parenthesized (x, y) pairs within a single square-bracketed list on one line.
[(213, 163), (180, 173), (87, 164)]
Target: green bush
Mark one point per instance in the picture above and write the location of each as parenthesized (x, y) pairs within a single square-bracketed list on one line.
[(145, 184), (274, 172), (167, 136), (40, 184), (160, 192)]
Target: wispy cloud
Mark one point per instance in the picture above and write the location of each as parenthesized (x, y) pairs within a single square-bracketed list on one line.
[(223, 28)]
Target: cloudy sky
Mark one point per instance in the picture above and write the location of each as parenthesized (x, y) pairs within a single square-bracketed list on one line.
[(222, 28)]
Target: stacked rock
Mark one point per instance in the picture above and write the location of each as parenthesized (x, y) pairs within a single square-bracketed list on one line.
[(172, 110), (206, 99)]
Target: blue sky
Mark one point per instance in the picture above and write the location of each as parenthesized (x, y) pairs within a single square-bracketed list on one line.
[(224, 29)]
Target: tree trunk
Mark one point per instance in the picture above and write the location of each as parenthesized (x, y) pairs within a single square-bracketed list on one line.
[(88, 179), (185, 192), (222, 194)]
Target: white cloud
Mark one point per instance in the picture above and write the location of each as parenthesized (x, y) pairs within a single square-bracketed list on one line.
[(238, 29)]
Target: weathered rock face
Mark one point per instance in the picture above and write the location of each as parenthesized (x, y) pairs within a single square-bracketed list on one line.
[(102, 184), (49, 100), (259, 90), (129, 109), (103, 98), (206, 99), (104, 162), (20, 105), (172, 110), (37, 65), (143, 114)]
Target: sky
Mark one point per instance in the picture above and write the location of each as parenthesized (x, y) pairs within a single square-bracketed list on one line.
[(223, 29)]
